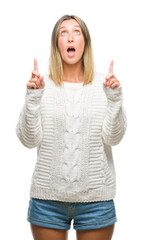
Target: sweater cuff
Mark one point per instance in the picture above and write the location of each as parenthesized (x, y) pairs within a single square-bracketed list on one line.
[(34, 95), (113, 94), (35, 92)]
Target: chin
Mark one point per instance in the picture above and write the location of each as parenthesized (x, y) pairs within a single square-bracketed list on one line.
[(72, 61)]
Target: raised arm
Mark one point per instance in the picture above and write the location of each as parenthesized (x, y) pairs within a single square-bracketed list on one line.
[(29, 126), (115, 121)]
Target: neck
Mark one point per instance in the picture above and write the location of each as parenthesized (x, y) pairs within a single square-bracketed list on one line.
[(73, 72)]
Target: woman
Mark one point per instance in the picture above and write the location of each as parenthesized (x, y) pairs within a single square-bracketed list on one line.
[(73, 116)]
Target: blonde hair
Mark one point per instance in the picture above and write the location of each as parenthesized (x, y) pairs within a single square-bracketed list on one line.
[(55, 60)]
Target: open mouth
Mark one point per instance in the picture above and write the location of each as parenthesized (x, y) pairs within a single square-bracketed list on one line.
[(71, 50)]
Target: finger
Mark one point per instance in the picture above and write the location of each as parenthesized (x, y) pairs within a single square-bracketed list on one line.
[(36, 65), (105, 84), (42, 81), (41, 78), (36, 81), (111, 81), (34, 73), (115, 84), (109, 77), (31, 85), (111, 67)]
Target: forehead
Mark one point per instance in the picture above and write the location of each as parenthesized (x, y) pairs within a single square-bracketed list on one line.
[(69, 23)]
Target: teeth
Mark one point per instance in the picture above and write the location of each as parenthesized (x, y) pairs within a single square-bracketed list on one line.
[(69, 49)]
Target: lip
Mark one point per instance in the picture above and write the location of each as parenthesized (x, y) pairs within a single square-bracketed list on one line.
[(71, 47)]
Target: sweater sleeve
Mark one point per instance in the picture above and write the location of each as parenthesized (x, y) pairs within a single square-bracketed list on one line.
[(115, 121), (29, 126)]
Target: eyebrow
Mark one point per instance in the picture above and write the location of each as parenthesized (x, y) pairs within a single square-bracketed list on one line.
[(74, 26)]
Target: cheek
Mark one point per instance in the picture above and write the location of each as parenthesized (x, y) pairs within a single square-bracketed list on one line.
[(61, 45), (81, 44)]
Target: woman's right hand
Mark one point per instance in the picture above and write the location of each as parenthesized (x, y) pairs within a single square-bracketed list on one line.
[(36, 82)]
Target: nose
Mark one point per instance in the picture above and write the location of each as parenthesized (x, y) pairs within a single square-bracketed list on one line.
[(70, 38)]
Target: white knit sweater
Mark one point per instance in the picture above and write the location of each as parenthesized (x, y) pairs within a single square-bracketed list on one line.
[(75, 167)]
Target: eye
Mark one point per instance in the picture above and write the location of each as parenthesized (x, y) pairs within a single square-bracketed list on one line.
[(77, 32), (63, 33)]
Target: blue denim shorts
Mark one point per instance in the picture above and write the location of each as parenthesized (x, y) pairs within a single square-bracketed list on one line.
[(58, 214)]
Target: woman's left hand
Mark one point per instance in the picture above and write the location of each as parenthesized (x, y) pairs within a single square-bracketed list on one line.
[(111, 80)]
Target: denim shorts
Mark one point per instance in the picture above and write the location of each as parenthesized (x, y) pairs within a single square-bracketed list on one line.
[(58, 214)]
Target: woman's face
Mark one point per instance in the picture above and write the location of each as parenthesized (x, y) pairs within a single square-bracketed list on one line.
[(71, 41)]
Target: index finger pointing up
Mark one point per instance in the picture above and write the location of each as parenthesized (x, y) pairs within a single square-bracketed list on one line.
[(35, 65), (111, 67)]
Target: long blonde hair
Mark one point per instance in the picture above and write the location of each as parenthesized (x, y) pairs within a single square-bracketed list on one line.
[(55, 60)]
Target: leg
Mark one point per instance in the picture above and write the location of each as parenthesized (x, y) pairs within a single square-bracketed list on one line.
[(96, 234), (41, 233)]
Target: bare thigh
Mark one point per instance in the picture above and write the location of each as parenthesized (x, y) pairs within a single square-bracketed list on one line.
[(41, 233), (96, 234)]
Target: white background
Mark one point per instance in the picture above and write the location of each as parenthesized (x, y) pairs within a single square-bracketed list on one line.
[(116, 32)]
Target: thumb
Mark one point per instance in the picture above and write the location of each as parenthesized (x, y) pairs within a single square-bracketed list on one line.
[(41, 80)]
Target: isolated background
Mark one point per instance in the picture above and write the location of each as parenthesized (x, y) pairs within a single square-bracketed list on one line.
[(116, 32)]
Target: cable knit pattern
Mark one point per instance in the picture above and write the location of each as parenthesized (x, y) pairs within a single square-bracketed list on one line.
[(72, 164), (73, 130)]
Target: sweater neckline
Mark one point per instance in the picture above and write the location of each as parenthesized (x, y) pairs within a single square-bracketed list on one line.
[(71, 85), (73, 82)]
